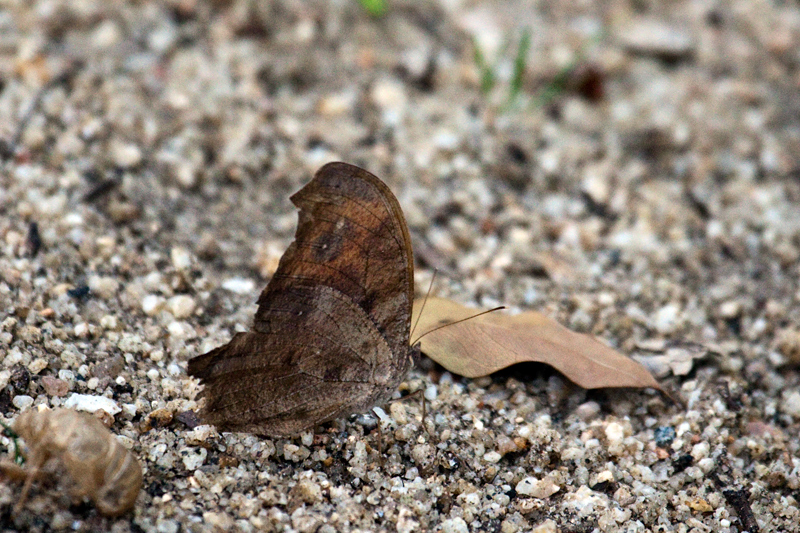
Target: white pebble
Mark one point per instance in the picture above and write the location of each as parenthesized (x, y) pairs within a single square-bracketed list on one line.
[(67, 375), (398, 411), (389, 94), (583, 500), (380, 413), (193, 458), (181, 258), (86, 402), (73, 220), (167, 526), (446, 140), (614, 433), (22, 401), (181, 306), (295, 453), (152, 304), (455, 525), (200, 435), (180, 330), (530, 486), (588, 411), (666, 319), (239, 285), (106, 34), (103, 286), (430, 393), (730, 309), (125, 155), (109, 322), (700, 450), (548, 526), (791, 404), (37, 365), (492, 457)]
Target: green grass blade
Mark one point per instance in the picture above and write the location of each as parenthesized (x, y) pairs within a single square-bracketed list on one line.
[(376, 8), (487, 72), (520, 65)]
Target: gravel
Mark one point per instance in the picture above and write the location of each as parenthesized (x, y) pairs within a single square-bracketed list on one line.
[(148, 152)]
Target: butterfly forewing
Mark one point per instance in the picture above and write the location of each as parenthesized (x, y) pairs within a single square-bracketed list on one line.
[(352, 237)]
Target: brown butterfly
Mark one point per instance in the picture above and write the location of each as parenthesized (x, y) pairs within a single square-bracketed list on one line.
[(331, 334)]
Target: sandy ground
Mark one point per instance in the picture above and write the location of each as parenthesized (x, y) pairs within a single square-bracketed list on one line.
[(642, 187)]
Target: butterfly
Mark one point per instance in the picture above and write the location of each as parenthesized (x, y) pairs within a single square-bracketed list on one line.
[(331, 333)]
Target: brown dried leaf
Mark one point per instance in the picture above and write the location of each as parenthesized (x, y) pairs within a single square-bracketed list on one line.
[(483, 345)]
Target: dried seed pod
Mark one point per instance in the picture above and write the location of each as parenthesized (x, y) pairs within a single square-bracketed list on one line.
[(102, 469)]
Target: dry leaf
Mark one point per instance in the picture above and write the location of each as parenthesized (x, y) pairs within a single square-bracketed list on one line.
[(491, 342)]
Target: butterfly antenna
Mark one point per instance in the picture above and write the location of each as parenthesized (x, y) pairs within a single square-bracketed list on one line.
[(427, 294), (437, 328)]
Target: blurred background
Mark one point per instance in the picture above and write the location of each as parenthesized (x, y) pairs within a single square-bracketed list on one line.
[(631, 168)]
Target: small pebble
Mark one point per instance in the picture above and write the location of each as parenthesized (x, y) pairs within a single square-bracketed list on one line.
[(614, 433), (398, 411), (200, 435), (548, 526), (790, 404), (588, 411), (430, 393), (239, 285), (103, 286), (37, 365), (54, 387), (730, 309), (506, 445), (530, 486), (664, 436), (181, 258), (492, 457), (219, 521), (85, 402), (125, 155), (152, 304), (179, 330), (22, 401), (655, 37), (308, 491), (193, 458), (455, 525), (181, 306), (104, 417)]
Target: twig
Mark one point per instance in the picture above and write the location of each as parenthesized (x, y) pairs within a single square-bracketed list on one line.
[(738, 498)]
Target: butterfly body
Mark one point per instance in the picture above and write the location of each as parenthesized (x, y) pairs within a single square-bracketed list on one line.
[(331, 334)]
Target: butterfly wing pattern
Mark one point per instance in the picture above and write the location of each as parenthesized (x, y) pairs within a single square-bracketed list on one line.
[(331, 333)]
